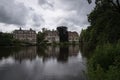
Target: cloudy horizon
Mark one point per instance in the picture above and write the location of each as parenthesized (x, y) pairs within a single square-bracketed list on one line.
[(40, 14)]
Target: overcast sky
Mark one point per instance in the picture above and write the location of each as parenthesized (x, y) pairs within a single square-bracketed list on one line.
[(37, 14)]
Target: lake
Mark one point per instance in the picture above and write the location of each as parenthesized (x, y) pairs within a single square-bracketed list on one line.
[(42, 63)]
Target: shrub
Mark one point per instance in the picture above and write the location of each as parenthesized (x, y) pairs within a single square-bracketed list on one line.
[(105, 63)]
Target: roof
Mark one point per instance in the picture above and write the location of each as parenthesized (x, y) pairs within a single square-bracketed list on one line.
[(24, 31), (73, 34), (53, 33)]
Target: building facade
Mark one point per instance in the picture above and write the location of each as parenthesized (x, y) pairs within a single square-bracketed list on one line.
[(73, 36), (53, 36), (25, 35)]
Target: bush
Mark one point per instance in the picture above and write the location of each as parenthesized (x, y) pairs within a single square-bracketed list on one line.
[(105, 63)]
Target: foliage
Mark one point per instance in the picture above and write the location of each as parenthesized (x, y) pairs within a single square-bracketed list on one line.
[(41, 37), (63, 33), (104, 27), (6, 39), (102, 38), (115, 4), (105, 64)]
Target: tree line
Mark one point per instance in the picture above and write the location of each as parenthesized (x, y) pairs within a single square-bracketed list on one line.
[(102, 40)]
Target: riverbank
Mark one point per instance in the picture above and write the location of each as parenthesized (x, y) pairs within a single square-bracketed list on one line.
[(20, 43)]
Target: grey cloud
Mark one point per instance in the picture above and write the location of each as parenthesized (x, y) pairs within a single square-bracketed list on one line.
[(75, 11), (38, 20), (45, 3), (72, 4), (41, 2), (12, 12), (82, 9), (46, 12), (70, 25), (73, 20)]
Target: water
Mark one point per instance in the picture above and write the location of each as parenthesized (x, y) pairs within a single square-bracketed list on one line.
[(42, 63)]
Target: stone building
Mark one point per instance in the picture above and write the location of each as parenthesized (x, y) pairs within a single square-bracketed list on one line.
[(73, 36), (25, 35), (51, 36)]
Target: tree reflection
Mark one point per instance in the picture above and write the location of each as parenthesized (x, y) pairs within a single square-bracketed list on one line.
[(59, 53), (7, 51), (63, 55)]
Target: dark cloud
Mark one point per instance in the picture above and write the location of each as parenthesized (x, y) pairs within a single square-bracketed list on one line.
[(12, 12), (41, 2)]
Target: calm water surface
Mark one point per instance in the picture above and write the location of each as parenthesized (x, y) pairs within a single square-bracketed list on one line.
[(42, 63)]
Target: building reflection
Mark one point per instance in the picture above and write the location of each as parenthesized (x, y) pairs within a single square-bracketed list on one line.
[(73, 50), (26, 53), (51, 52), (61, 54)]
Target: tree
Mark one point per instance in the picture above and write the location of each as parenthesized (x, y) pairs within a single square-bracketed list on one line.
[(102, 38), (63, 33), (6, 39), (114, 3), (41, 36)]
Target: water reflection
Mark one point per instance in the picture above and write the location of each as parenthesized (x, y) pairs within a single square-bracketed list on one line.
[(26, 53), (42, 63), (63, 55)]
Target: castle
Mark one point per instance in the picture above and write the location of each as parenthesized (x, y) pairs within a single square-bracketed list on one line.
[(53, 36), (25, 35)]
